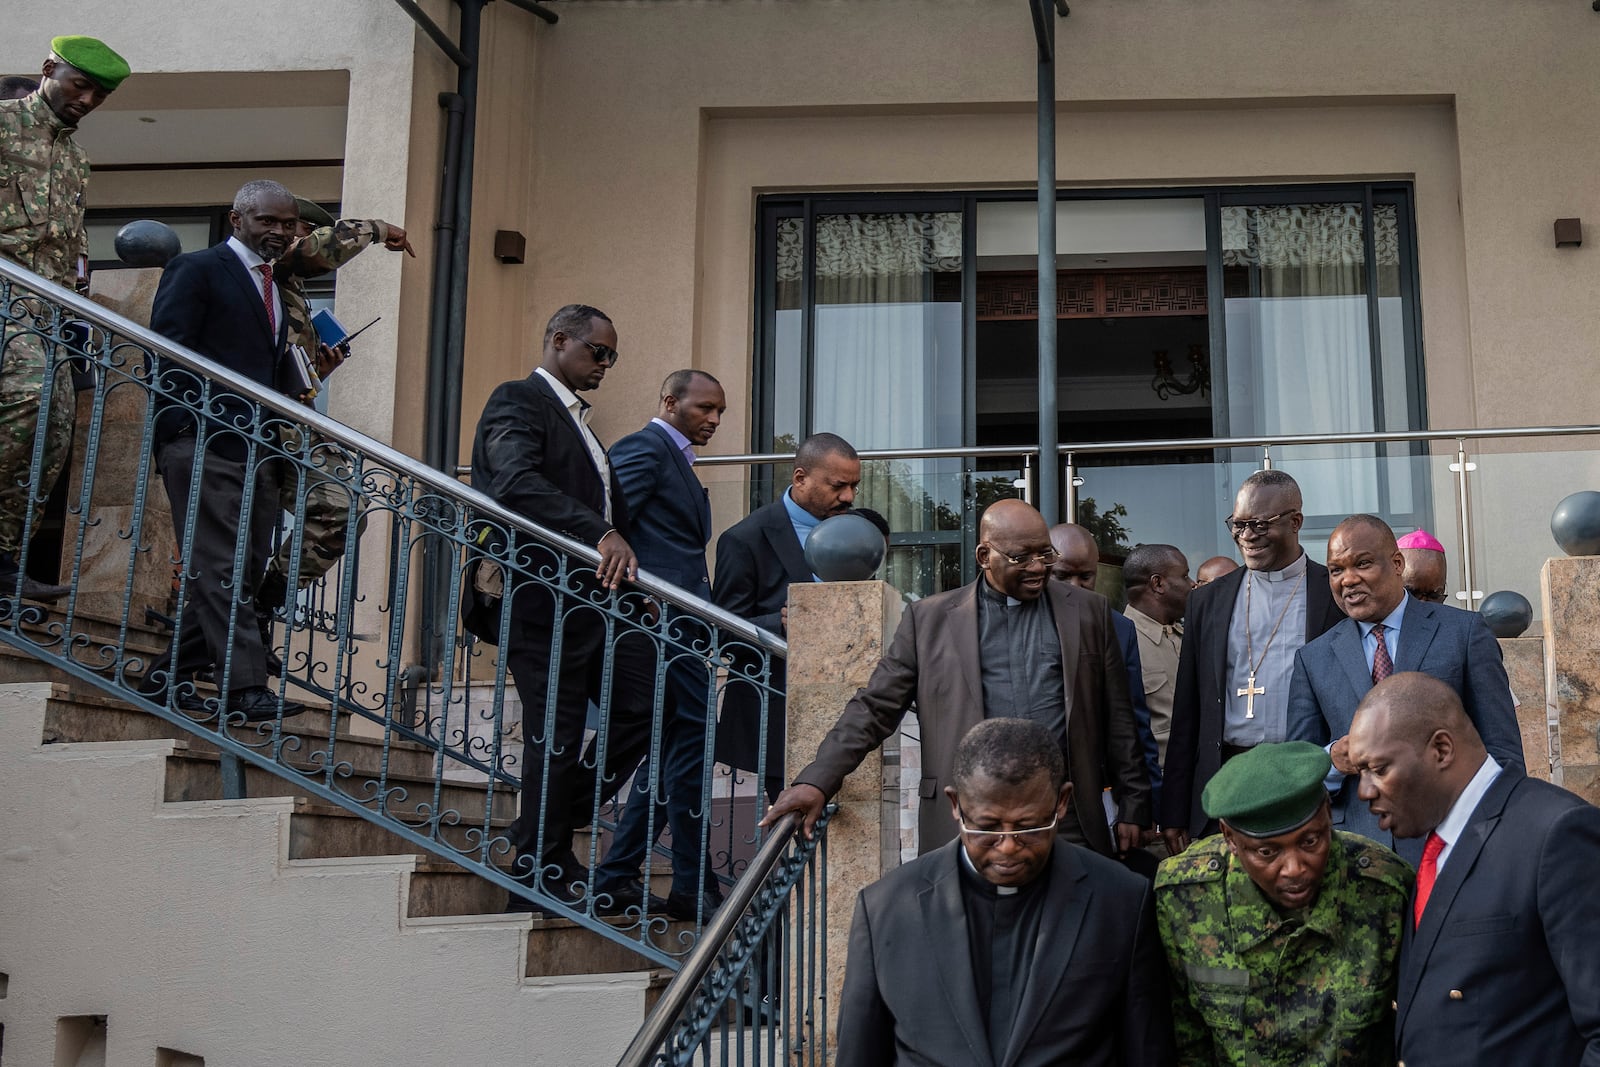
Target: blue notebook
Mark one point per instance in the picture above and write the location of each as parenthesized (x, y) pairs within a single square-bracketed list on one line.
[(330, 331)]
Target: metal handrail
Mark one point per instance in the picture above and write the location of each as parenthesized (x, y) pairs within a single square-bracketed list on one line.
[(447, 487)]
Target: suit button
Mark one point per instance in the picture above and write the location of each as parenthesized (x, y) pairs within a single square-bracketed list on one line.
[(1394, 1005), (1455, 994)]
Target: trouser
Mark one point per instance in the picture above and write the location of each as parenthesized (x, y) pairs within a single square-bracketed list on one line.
[(25, 366), (325, 519), (219, 622), (562, 784), (675, 794)]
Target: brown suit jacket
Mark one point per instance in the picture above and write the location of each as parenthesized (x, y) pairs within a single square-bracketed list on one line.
[(933, 662)]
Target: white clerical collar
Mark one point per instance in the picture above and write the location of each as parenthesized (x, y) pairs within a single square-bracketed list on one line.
[(1002, 890), (1290, 573)]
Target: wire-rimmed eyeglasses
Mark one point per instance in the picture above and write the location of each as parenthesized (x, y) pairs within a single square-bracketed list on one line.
[(1047, 557), (1031, 835)]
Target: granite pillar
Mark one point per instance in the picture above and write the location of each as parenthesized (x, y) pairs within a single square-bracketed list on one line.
[(101, 565), (1524, 659), (1571, 589), (837, 633)]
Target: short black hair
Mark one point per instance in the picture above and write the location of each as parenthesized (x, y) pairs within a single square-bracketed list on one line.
[(819, 446), (16, 86), (1012, 751), (1274, 479), (1144, 561), (1371, 522), (876, 519), (573, 320), (678, 381)]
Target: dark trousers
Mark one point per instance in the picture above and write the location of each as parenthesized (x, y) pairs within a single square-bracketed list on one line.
[(563, 785), (219, 619), (675, 794)]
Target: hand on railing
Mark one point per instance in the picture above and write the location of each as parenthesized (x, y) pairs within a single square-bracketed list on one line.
[(617, 561), (804, 800)]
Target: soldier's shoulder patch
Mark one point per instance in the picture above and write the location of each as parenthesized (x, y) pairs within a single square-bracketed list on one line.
[(1368, 859), (1204, 861)]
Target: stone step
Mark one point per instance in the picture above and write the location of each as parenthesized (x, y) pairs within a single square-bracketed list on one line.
[(320, 830), (442, 888), (561, 946), (196, 775)]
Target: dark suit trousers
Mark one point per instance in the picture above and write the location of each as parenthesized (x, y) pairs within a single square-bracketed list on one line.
[(561, 783), (216, 629)]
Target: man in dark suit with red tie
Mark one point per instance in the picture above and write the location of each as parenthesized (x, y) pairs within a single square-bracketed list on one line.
[(224, 304), (535, 454), (1498, 961)]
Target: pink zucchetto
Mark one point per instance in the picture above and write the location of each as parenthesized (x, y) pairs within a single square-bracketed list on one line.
[(1420, 539)]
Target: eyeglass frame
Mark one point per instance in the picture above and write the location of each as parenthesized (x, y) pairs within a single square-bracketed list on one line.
[(1432, 596), (1046, 557), (1027, 835), (1259, 527), (600, 352)]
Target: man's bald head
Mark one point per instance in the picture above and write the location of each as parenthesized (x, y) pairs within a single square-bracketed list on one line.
[(1214, 568), (1010, 530), (1426, 575), (1011, 517), (1078, 561)]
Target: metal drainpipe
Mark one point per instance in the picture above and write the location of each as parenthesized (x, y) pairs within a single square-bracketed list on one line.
[(1044, 26)]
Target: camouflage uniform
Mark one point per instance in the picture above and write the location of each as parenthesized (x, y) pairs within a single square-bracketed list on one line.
[(43, 172), (1253, 987), (326, 516)]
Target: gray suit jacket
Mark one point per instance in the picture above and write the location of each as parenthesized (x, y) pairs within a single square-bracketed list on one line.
[(1331, 676), (1097, 995)]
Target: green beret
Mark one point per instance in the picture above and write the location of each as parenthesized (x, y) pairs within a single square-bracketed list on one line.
[(1270, 789), (91, 56), (313, 213)]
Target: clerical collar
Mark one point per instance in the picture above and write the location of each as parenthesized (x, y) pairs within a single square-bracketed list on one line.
[(996, 596), (988, 888), (1290, 573)]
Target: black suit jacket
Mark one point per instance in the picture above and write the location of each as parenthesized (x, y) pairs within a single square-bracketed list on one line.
[(529, 456), (1505, 968), (668, 507), (207, 301), (1194, 748), (1097, 995), (757, 559)]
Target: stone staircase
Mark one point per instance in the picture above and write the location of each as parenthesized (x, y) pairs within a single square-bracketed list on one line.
[(135, 895)]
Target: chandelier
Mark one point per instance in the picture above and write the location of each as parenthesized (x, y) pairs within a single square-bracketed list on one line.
[(1165, 383)]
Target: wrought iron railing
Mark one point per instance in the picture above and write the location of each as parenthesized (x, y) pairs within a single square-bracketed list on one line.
[(435, 758), (750, 991)]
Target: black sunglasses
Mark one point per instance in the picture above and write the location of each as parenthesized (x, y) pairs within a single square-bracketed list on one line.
[(605, 355)]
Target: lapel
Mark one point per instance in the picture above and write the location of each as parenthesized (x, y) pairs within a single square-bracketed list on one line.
[(1418, 626), (964, 620), (1417, 945), (1319, 601), (691, 484), (944, 931), (250, 287), (1352, 657), (563, 418), (1214, 633), (1071, 896), (1065, 608), (780, 535)]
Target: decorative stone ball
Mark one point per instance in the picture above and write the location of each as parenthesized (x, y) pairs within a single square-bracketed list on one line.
[(1575, 524), (147, 243), (845, 548), (1508, 613)]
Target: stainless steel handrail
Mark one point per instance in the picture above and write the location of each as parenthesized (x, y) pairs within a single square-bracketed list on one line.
[(355, 441)]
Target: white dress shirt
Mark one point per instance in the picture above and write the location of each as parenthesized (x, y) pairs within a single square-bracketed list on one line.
[(251, 263), (1450, 829), (580, 418)]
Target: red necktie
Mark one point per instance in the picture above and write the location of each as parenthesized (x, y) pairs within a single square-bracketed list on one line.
[(1426, 873), (1382, 665), (272, 320)]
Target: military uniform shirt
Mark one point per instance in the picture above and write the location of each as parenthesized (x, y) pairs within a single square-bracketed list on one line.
[(1256, 988), (43, 174)]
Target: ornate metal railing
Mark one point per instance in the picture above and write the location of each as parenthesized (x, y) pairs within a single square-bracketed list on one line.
[(435, 758), (750, 993)]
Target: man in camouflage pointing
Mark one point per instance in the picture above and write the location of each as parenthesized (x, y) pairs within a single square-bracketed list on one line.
[(43, 172), (1282, 935)]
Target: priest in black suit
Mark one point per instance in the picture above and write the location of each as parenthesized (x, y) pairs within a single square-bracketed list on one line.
[(758, 558), (1008, 947), (535, 454), (1240, 636), (1498, 957)]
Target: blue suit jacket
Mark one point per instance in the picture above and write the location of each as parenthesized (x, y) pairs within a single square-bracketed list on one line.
[(669, 508), (1503, 970), (1331, 676), (1128, 641)]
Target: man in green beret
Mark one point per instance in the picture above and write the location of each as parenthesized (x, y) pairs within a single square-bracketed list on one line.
[(43, 172), (1282, 934)]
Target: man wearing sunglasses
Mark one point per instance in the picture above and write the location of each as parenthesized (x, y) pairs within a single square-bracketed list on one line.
[(1240, 636), (1006, 946)]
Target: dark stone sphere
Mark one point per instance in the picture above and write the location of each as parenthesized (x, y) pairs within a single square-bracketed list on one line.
[(1507, 613), (1575, 524), (147, 243), (845, 548)]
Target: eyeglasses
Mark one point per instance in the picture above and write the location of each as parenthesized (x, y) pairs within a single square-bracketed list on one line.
[(604, 355), (1255, 526), (1432, 596), (1047, 557), (1033, 835)]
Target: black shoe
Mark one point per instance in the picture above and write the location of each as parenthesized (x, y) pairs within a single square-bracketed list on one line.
[(154, 685), (685, 907), (619, 900), (31, 590), (260, 704), (570, 887)]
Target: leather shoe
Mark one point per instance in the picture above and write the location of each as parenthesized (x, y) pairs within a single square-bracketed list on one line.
[(684, 907), (617, 900), (154, 685), (260, 704)]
